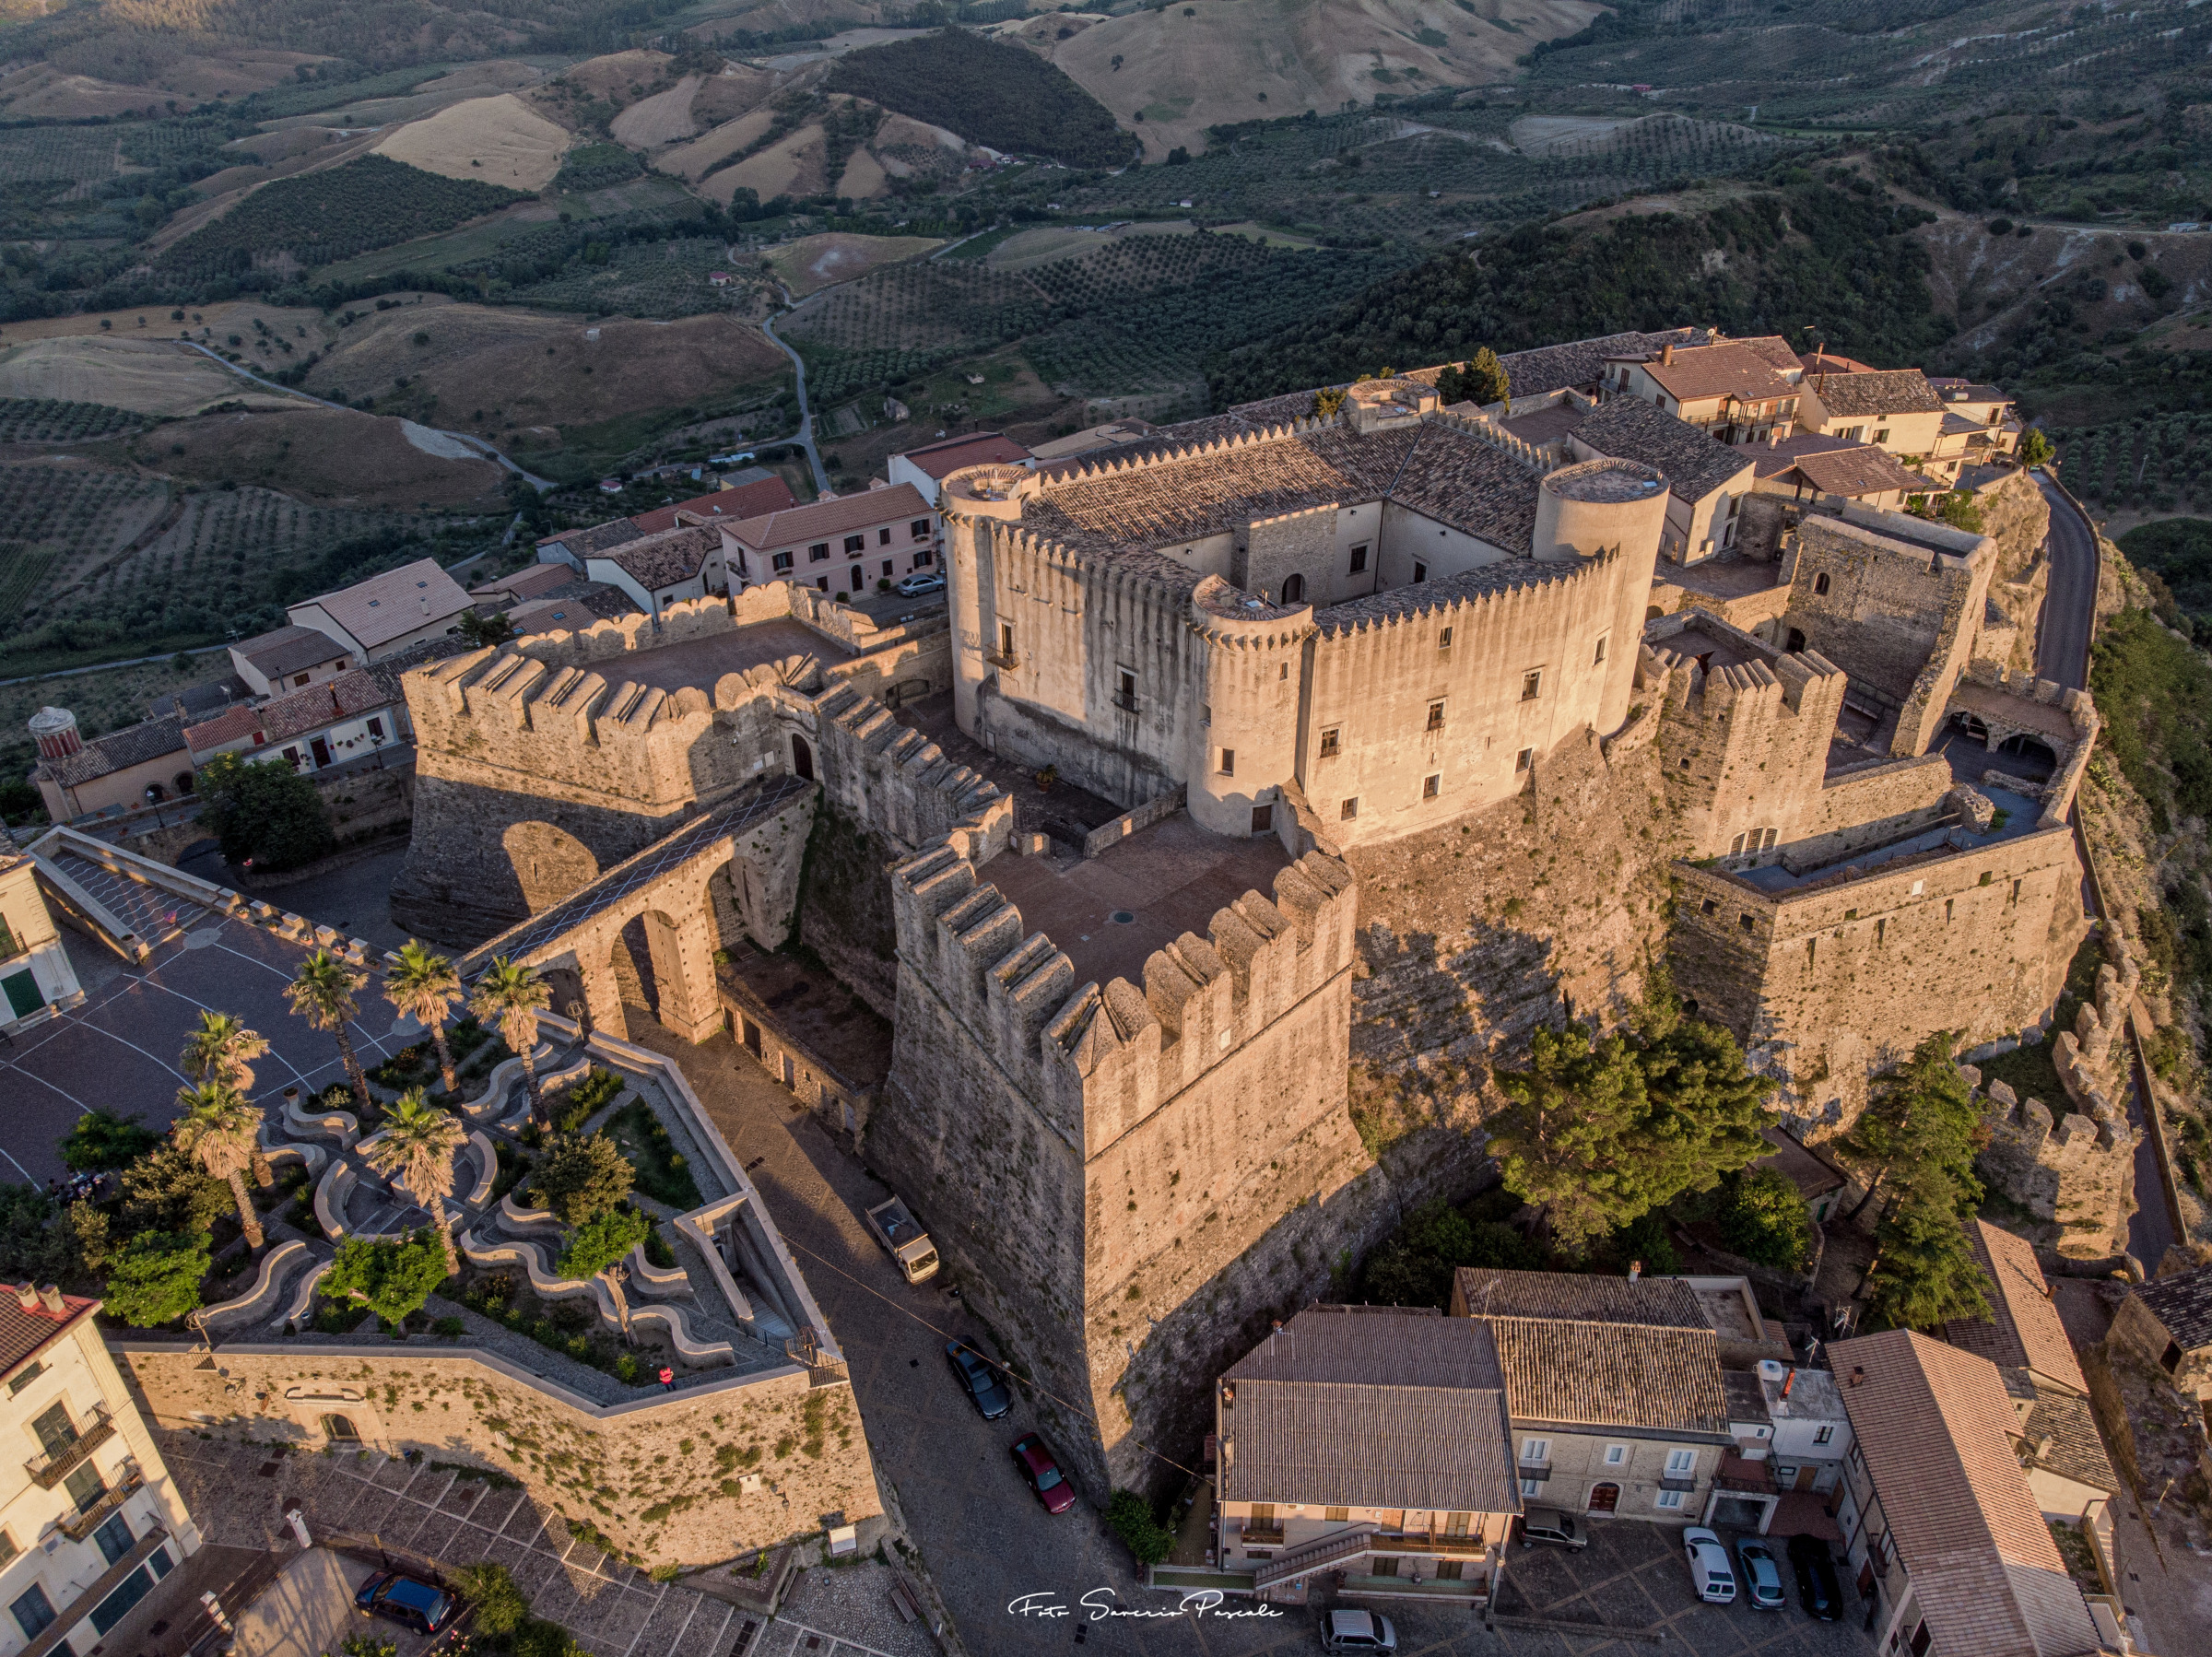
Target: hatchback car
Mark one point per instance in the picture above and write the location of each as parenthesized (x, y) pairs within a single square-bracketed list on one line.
[(914, 585), (979, 1380), (402, 1600), (1762, 1575), (1045, 1479), (1356, 1631), (1709, 1571), (1818, 1589), (1550, 1526)]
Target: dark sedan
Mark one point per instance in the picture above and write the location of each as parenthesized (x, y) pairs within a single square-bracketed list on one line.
[(980, 1380), (402, 1600), (1043, 1475), (1817, 1589)]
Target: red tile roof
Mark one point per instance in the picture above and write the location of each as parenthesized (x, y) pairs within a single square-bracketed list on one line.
[(976, 449), (1726, 371), (526, 583), (387, 606), (316, 708), (754, 499), (25, 1334), (827, 517)]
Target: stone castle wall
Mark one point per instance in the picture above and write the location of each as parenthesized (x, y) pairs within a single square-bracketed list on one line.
[(2065, 1166), (691, 1478), (1888, 609)]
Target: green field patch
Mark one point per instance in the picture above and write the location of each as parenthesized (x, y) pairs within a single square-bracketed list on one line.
[(1002, 96), (44, 421)]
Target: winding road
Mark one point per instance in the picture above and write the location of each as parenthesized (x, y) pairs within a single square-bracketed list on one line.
[(805, 438)]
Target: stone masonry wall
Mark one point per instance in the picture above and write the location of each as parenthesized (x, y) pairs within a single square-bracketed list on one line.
[(1882, 614), (689, 1478)]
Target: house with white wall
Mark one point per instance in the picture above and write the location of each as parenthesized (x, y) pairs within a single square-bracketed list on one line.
[(36, 979)]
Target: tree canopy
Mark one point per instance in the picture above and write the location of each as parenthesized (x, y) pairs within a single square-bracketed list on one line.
[(602, 1241), (101, 1140), (1920, 1132), (583, 1177), (155, 1277), (394, 1278), (263, 810)]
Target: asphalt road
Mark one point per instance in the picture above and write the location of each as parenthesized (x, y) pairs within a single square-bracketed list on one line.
[(2061, 640), (805, 438)]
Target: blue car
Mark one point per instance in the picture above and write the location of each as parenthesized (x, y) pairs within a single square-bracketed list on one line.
[(405, 1601), (979, 1379), (1762, 1575)]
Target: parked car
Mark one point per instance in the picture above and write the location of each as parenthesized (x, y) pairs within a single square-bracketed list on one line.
[(1549, 1525), (985, 1388), (1356, 1631), (1708, 1571), (921, 582), (1818, 1589), (1045, 1479), (1762, 1575), (402, 1600)]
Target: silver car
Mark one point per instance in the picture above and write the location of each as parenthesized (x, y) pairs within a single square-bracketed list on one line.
[(1356, 1631)]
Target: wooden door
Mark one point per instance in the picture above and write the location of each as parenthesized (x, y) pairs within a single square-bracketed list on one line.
[(1605, 1499)]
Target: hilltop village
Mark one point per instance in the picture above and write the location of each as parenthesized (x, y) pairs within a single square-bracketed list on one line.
[(1258, 788)]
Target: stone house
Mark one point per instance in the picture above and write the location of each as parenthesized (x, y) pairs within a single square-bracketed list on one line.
[(36, 978), (385, 614), (664, 568), (291, 658), (1894, 409), (1613, 1387), (93, 1529), (1953, 1555), (350, 717), (1368, 1442), (1814, 470), (841, 544), (120, 772), (1739, 392), (2170, 1323)]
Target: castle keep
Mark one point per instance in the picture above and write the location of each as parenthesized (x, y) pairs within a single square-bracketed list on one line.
[(1285, 647)]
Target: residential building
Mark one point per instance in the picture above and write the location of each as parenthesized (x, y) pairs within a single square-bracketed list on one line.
[(137, 765), (1894, 409), (753, 493), (1368, 1442), (384, 615), (1953, 1551), (1819, 470), (666, 567), (1786, 1475), (845, 544), (1613, 1387), (1582, 364), (929, 465), (350, 717), (1707, 479), (91, 1527), (1738, 390), (36, 979), (291, 658), (1820, 1183), (533, 581), (2170, 1323)]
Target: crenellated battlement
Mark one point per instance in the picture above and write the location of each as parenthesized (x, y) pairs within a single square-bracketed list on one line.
[(1537, 459), (1494, 592), (894, 780)]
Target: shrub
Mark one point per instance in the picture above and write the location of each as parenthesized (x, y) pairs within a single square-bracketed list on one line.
[(392, 1278), (102, 1140), (501, 1606), (155, 1277), (1762, 1219), (1129, 1517)]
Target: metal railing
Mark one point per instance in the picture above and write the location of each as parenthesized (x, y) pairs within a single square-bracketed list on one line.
[(49, 1470), (87, 1520)]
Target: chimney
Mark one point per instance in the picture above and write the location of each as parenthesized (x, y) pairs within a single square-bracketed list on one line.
[(50, 1297), (1858, 1374), (27, 1297), (1635, 1270), (1666, 353), (1788, 1382), (54, 730)]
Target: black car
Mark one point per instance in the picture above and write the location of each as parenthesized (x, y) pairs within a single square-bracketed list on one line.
[(1817, 1589), (402, 1600), (977, 1375)]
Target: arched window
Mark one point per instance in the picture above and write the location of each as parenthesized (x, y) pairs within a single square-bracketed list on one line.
[(802, 758), (1820, 583), (1294, 590), (340, 1428)]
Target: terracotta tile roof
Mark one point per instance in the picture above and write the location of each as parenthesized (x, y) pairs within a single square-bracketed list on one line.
[(754, 499), (1695, 463), (2023, 1331), (1371, 1406), (1654, 1302), (1581, 362), (661, 561), (825, 519), (2184, 1304), (598, 538), (290, 650), (526, 583), (2075, 1450), (1723, 370), (1771, 460), (281, 718), (578, 605), (386, 671), (117, 751), (1876, 391), (1861, 469), (1827, 362), (25, 1334), (1812, 1173), (1572, 1373), (1773, 351), (976, 449), (399, 601), (1932, 1422)]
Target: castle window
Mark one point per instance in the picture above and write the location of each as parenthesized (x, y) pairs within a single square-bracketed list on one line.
[(1348, 810), (1360, 559), (1524, 759), (816, 552), (1432, 786), (1263, 820), (2015, 891), (918, 529), (883, 537), (1767, 841), (1948, 904), (1294, 589), (1420, 571), (1532, 684), (1735, 847), (781, 563), (1796, 642), (1984, 881), (1228, 762), (1745, 920), (1881, 930), (1436, 716), (1444, 640), (1810, 944), (1820, 583), (1600, 657), (1124, 696), (1331, 742), (1708, 907), (856, 543), (1851, 914)]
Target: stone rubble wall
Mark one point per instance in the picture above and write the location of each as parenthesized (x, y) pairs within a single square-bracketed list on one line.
[(2076, 1169)]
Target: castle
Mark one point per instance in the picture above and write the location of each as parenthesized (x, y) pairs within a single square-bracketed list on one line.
[(1287, 646)]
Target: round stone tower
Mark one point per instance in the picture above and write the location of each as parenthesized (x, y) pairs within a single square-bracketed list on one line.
[(1245, 747), (1616, 507), (54, 730)]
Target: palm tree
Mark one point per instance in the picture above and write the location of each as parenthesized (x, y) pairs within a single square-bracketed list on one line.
[(511, 996), (223, 1050), (417, 1147), (424, 987), (218, 1128), (323, 994)]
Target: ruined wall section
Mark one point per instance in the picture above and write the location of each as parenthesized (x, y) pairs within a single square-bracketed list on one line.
[(1875, 804), (1887, 611), (2067, 1168), (2016, 517)]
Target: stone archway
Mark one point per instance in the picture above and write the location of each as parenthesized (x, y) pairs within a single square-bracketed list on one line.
[(548, 863)]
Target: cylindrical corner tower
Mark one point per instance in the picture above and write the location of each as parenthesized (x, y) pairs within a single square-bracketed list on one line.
[(1607, 506), (976, 502), (54, 730), (1244, 746)]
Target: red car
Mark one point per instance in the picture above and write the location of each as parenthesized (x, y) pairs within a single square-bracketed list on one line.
[(1043, 1475)]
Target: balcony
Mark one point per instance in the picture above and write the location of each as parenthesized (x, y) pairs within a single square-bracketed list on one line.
[(1124, 701), (1002, 658), (49, 1471), (1263, 1535), (1538, 1471), (1434, 1547), (88, 1519)]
